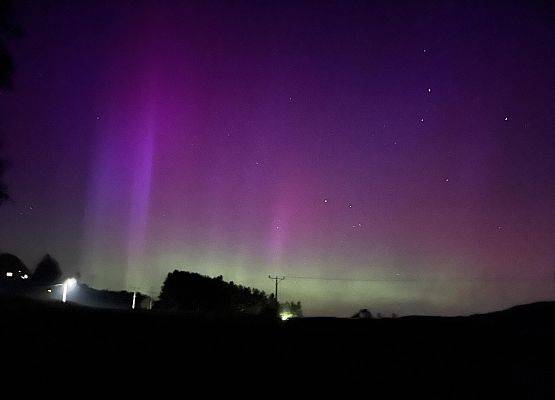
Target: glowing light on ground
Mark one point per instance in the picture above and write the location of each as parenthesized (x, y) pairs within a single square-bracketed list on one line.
[(285, 316)]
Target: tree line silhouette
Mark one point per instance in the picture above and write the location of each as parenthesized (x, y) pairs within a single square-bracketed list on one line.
[(182, 291), (195, 293)]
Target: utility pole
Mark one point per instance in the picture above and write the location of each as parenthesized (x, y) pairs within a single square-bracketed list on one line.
[(277, 279)]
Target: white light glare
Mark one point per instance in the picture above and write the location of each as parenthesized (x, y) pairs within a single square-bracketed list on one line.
[(9, 274), (285, 315), (66, 286), (71, 282)]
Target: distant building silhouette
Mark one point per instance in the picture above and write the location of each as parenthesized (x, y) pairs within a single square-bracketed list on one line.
[(12, 269)]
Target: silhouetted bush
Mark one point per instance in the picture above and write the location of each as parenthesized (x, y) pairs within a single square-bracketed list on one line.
[(195, 293), (363, 314)]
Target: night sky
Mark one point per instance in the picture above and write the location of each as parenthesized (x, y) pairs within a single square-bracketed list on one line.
[(403, 153)]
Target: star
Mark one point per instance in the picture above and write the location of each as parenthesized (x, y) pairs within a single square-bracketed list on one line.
[(422, 119), (446, 179), (350, 205), (506, 118), (325, 201)]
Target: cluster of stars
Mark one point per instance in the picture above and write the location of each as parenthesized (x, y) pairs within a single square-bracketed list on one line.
[(26, 210), (326, 201)]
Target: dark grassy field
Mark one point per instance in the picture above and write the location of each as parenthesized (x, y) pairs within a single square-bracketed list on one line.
[(505, 353)]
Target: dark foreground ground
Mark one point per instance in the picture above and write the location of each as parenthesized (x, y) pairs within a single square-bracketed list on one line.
[(498, 355)]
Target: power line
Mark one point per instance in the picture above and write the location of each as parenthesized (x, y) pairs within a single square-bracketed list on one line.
[(422, 279)]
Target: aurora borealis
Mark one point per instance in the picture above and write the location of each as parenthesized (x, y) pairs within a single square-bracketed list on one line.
[(404, 153)]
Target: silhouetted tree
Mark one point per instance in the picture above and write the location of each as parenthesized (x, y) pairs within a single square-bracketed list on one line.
[(47, 272), (192, 292)]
